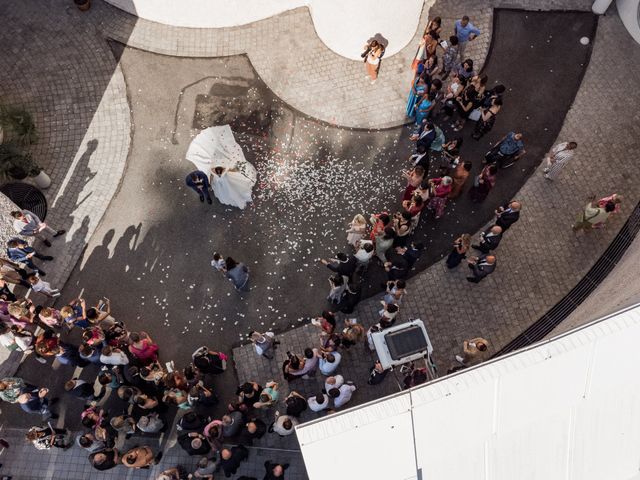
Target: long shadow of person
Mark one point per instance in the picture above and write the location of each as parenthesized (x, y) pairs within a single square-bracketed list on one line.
[(69, 203)]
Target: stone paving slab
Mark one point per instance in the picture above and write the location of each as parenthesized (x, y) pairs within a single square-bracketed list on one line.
[(58, 69), (540, 258), (301, 70), (24, 462)]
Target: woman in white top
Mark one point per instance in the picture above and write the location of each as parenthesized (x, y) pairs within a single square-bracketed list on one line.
[(557, 158), (374, 51)]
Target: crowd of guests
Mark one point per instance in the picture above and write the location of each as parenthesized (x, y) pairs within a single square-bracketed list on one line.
[(142, 394), (446, 93), (125, 390), (129, 391)]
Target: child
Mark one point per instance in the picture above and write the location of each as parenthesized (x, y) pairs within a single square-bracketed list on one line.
[(74, 314), (50, 317), (357, 229), (218, 263), (39, 285)]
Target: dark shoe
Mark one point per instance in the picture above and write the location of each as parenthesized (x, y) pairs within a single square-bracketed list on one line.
[(477, 247), (59, 232), (158, 458), (202, 198), (209, 200), (54, 416), (41, 274), (47, 243), (47, 258)]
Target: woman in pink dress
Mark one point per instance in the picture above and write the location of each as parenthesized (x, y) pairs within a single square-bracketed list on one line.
[(440, 190), (143, 348)]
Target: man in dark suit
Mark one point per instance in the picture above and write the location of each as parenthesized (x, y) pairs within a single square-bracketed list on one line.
[(230, 459), (80, 389), (481, 267), (411, 253), (397, 266), (508, 214), (343, 264), (489, 239), (426, 136), (199, 183)]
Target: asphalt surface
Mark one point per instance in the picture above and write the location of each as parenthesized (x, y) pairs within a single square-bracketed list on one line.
[(151, 253)]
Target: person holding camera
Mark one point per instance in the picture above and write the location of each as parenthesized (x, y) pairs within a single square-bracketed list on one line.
[(460, 248), (473, 351)]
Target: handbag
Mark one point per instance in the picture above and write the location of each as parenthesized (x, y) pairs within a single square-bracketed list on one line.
[(475, 115)]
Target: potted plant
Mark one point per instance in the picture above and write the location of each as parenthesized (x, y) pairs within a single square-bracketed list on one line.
[(14, 164), (83, 4), (18, 126)]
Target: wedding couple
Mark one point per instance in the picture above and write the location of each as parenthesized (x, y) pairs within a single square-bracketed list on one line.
[(222, 166), (230, 186)]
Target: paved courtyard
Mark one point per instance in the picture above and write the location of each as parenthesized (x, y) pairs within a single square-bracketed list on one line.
[(155, 240)]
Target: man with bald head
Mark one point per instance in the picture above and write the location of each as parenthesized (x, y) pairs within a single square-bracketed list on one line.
[(489, 239), (274, 471), (230, 459), (481, 267), (508, 214)]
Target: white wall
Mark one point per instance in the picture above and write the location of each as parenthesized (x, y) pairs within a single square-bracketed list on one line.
[(628, 11), (568, 408), (343, 25)]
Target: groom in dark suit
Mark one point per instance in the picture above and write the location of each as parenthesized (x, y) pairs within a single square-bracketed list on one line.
[(199, 183)]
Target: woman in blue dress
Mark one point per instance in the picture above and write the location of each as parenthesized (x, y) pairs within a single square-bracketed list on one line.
[(418, 87), (423, 107)]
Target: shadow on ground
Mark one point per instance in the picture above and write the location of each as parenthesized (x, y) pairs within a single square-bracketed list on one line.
[(152, 251)]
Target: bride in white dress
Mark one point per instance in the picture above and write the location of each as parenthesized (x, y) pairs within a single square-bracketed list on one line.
[(232, 186), (215, 152)]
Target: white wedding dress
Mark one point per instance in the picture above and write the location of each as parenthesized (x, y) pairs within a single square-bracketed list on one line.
[(234, 188), (217, 147)]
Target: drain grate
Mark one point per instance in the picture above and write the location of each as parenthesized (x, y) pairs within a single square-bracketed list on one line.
[(561, 310), (27, 197)]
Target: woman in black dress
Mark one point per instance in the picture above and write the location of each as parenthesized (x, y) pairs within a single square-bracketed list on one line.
[(487, 119), (465, 103), (460, 248)]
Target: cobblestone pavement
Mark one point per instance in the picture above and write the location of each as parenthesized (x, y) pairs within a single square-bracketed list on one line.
[(58, 68), (295, 64), (23, 462), (540, 259), (313, 74)]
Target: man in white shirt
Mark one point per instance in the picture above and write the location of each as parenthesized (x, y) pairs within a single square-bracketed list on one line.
[(319, 402), (284, 424), (342, 395), (329, 363), (113, 356), (365, 251), (28, 224), (333, 382)]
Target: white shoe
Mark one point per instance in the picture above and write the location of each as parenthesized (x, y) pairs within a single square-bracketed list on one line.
[(460, 359), (41, 360)]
